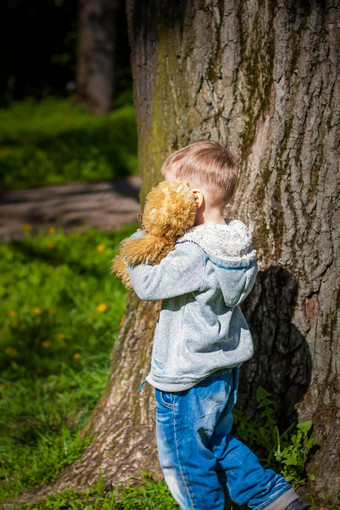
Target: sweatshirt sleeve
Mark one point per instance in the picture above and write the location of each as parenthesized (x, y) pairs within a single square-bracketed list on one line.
[(180, 272)]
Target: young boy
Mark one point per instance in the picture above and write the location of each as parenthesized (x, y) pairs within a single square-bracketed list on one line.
[(201, 339)]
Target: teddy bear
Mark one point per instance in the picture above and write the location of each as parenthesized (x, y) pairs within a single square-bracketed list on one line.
[(169, 212)]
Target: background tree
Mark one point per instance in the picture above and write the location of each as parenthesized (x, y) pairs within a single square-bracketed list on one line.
[(260, 77), (96, 65)]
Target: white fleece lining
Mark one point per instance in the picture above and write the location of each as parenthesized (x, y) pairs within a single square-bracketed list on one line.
[(232, 240)]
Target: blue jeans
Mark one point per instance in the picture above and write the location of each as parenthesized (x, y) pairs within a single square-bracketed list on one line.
[(201, 461)]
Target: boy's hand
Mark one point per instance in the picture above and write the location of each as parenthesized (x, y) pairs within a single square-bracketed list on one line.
[(140, 218)]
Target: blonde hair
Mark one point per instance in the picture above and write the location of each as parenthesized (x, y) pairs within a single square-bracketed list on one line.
[(204, 164)]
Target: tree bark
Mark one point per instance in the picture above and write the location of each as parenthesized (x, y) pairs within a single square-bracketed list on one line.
[(97, 21), (260, 77)]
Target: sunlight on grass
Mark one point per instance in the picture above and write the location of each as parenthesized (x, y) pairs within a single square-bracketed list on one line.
[(60, 315), (149, 495), (55, 141)]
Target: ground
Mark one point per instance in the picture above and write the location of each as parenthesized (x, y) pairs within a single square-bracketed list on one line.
[(77, 206)]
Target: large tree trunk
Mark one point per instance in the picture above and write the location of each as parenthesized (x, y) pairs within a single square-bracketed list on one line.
[(97, 21), (258, 76)]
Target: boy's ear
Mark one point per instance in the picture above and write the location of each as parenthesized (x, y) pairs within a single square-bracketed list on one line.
[(198, 197)]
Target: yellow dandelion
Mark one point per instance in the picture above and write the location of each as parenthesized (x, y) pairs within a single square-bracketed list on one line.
[(50, 245), (77, 356), (12, 313), (37, 311), (11, 352), (27, 227), (52, 230), (102, 307), (51, 311), (61, 336), (45, 345), (100, 248)]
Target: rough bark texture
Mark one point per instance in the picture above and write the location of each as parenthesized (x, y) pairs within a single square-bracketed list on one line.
[(259, 76), (96, 52)]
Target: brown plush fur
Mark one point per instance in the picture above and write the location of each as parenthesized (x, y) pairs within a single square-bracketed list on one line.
[(169, 211)]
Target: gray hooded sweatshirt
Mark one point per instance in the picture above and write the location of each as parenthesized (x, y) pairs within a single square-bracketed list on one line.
[(200, 328)]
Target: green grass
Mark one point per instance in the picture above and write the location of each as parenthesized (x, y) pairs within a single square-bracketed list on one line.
[(150, 495), (60, 314), (55, 141)]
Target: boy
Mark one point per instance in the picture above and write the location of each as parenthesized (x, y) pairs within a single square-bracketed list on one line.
[(201, 339)]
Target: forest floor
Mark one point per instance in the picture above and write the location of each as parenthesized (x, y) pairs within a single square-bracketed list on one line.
[(72, 207)]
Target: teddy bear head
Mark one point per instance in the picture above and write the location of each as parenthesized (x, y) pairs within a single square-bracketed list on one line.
[(169, 209)]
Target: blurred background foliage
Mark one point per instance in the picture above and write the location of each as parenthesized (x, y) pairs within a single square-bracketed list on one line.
[(55, 141), (46, 136)]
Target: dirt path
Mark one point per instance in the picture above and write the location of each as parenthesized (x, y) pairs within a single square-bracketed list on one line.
[(75, 207)]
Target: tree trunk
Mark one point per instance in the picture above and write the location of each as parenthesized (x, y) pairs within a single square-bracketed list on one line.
[(96, 54), (258, 76)]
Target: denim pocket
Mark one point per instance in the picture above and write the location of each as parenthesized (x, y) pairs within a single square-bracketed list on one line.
[(167, 399)]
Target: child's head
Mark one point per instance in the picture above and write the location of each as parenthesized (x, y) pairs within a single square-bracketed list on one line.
[(204, 164)]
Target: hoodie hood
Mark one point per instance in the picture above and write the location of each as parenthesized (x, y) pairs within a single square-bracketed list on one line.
[(229, 242)]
